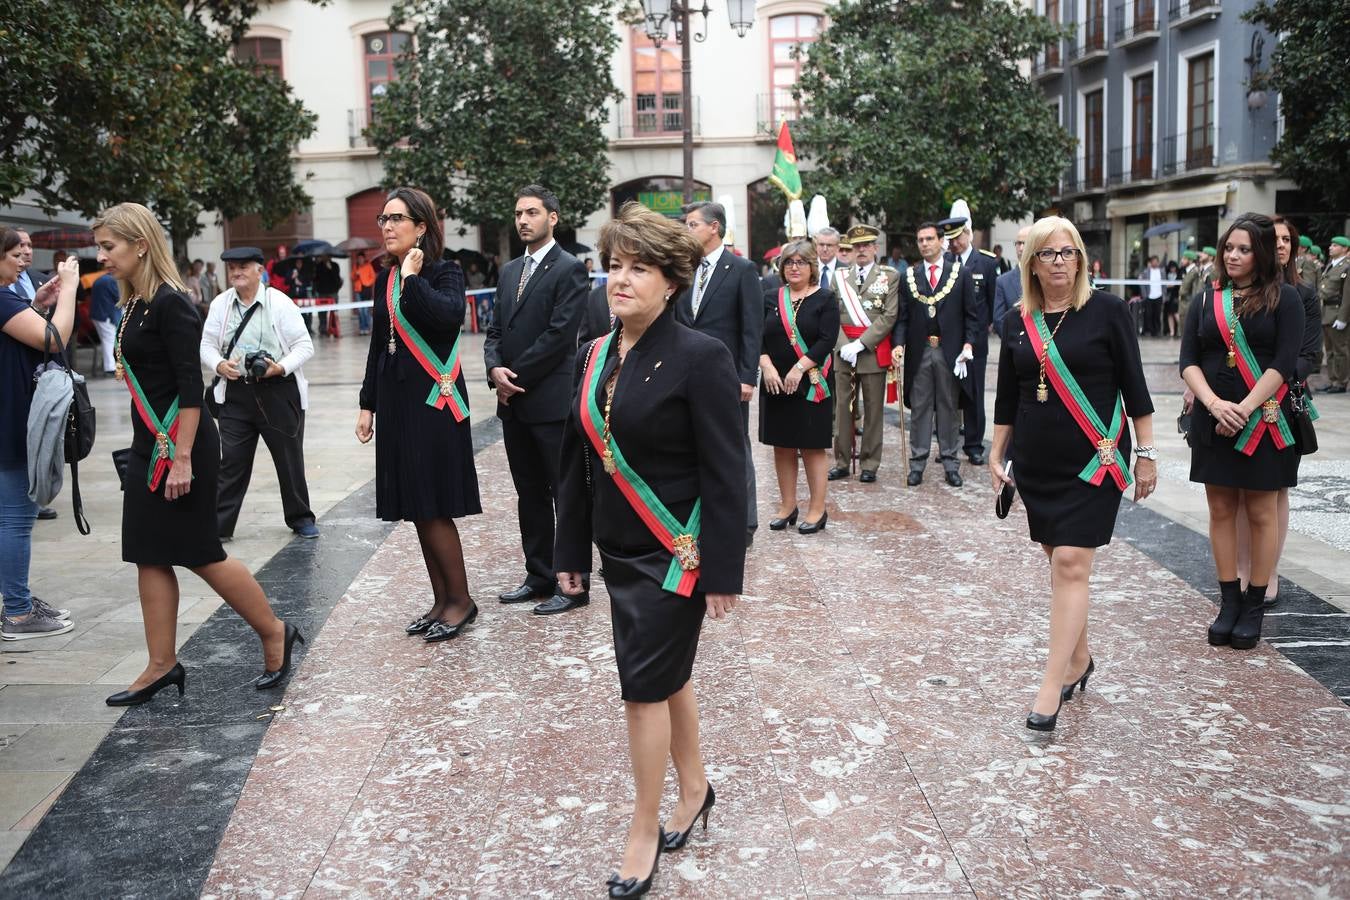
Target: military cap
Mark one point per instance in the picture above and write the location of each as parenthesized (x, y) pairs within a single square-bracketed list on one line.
[(1190, 254), (1209, 251), (1305, 242), (845, 242), (1315, 250), (243, 254), (862, 234), (952, 228), (1342, 240)]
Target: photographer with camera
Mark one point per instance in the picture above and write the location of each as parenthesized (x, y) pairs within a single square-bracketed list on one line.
[(256, 342)]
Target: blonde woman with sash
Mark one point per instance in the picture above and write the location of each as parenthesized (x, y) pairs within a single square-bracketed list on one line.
[(169, 499), (653, 470), (1069, 375)]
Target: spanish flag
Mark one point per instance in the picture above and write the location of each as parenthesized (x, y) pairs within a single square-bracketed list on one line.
[(785, 173)]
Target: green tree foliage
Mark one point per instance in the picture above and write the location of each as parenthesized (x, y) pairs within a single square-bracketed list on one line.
[(912, 104), (140, 100), (1310, 70), (497, 94)]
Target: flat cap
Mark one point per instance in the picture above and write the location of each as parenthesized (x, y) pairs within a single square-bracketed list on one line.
[(952, 227), (243, 254), (862, 234)]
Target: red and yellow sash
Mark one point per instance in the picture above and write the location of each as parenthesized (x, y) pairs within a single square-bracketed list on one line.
[(444, 391), (680, 540), (1272, 418), (1108, 460), (820, 386), (165, 430)]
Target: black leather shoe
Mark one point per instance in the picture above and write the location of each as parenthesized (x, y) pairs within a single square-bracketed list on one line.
[(953, 478), (914, 479), (813, 527), (867, 477), (675, 840), (560, 603), (836, 474), (783, 523), (976, 458), (444, 631), (272, 679), (176, 675), (1066, 692), (631, 887), (1334, 389), (1038, 722), (522, 594), (418, 625)]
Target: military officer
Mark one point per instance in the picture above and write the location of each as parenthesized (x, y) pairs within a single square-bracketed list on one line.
[(1190, 282), (1333, 290), (982, 267), (1308, 269), (869, 295), (844, 255)]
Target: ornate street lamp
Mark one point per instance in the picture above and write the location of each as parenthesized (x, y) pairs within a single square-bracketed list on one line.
[(656, 14)]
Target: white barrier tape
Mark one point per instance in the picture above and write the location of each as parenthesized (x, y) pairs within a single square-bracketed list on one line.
[(1141, 283)]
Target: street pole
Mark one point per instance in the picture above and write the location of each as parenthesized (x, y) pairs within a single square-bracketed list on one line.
[(687, 101)]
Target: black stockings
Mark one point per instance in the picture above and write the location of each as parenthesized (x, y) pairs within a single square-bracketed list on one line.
[(444, 557)]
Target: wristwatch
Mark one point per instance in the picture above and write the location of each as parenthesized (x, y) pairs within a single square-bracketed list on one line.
[(1146, 452)]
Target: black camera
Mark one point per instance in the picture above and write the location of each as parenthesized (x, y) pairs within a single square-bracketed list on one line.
[(255, 365)]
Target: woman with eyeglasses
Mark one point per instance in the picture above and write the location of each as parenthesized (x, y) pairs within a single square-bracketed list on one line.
[(424, 469), (1069, 375), (796, 408), (1240, 347)]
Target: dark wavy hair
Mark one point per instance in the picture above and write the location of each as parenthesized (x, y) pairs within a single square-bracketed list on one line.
[(423, 209), (653, 239), (1264, 292), (1290, 268)]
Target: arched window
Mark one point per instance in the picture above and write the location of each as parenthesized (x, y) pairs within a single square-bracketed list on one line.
[(765, 207), (786, 33), (262, 51)]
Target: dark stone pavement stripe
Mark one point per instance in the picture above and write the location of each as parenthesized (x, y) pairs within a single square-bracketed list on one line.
[(144, 816)]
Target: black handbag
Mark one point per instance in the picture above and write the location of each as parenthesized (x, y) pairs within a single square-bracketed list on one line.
[(1004, 501), (121, 462), (209, 398), (81, 423), (1300, 420)]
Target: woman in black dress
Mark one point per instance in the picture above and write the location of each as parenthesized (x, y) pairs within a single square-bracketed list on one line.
[(424, 470), (796, 408), (169, 504), (1069, 374), (1240, 346), (653, 469)]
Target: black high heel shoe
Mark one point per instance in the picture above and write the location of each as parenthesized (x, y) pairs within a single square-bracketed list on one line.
[(813, 527), (176, 675), (783, 523), (1066, 692), (1038, 722), (631, 887), (272, 679), (444, 631), (674, 840)]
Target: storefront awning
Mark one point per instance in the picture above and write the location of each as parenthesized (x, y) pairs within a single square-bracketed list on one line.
[(1167, 201)]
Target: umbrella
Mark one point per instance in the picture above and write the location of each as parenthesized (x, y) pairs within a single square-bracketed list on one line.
[(576, 248), (316, 248), (1165, 228), (356, 243), (772, 253), (69, 237), (465, 256)]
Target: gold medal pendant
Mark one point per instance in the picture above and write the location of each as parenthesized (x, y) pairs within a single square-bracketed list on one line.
[(120, 371), (162, 445), (932, 311), (607, 461), (447, 384), (686, 551), (1106, 451), (1270, 411), (1231, 361), (1042, 393), (392, 345)]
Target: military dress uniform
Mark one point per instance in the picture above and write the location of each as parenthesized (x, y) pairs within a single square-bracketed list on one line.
[(1333, 291), (867, 312), (1308, 270), (982, 267), (1190, 284)]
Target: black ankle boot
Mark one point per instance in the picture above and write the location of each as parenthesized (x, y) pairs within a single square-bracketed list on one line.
[(1230, 606), (1247, 631)]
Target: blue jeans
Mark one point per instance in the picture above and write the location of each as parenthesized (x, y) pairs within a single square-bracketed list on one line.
[(16, 540)]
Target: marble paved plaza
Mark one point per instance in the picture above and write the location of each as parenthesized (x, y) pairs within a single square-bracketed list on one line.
[(862, 714)]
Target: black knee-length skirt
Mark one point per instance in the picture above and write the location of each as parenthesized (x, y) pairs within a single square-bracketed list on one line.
[(182, 532)]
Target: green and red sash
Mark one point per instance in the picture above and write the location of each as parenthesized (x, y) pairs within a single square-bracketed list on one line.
[(677, 538), (164, 429), (819, 391), (1230, 329), (444, 390), (1107, 458)]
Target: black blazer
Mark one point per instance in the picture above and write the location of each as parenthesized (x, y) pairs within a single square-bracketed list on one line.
[(983, 272), (537, 337), (597, 322), (732, 311), (433, 301), (677, 418), (960, 317)]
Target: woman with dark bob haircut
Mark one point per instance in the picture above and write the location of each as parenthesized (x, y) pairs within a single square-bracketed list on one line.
[(1240, 346), (653, 470), (424, 471)]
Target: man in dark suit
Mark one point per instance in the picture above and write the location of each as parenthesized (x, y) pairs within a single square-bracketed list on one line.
[(726, 301), (530, 347), (598, 320), (939, 320), (1008, 287), (983, 270)]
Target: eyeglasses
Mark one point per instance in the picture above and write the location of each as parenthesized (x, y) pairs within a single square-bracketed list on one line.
[(397, 218), (1019, 243), (795, 263), (1048, 256)]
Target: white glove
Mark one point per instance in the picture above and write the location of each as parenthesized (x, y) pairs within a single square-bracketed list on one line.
[(1338, 325), (849, 352), (959, 370)]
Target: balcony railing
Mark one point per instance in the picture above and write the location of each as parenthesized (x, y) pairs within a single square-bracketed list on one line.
[(1183, 13), (1136, 23), (1086, 174), (1049, 63), (1131, 164), (1183, 153), (1092, 44), (357, 121), (648, 119), (772, 108)]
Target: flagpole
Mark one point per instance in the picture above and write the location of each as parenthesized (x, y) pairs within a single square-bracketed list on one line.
[(687, 101)]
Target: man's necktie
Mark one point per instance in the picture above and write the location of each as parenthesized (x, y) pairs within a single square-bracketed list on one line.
[(862, 276), (524, 277), (704, 268), (23, 287), (932, 276)]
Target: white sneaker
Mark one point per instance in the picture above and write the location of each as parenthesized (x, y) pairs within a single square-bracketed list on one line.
[(33, 625)]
